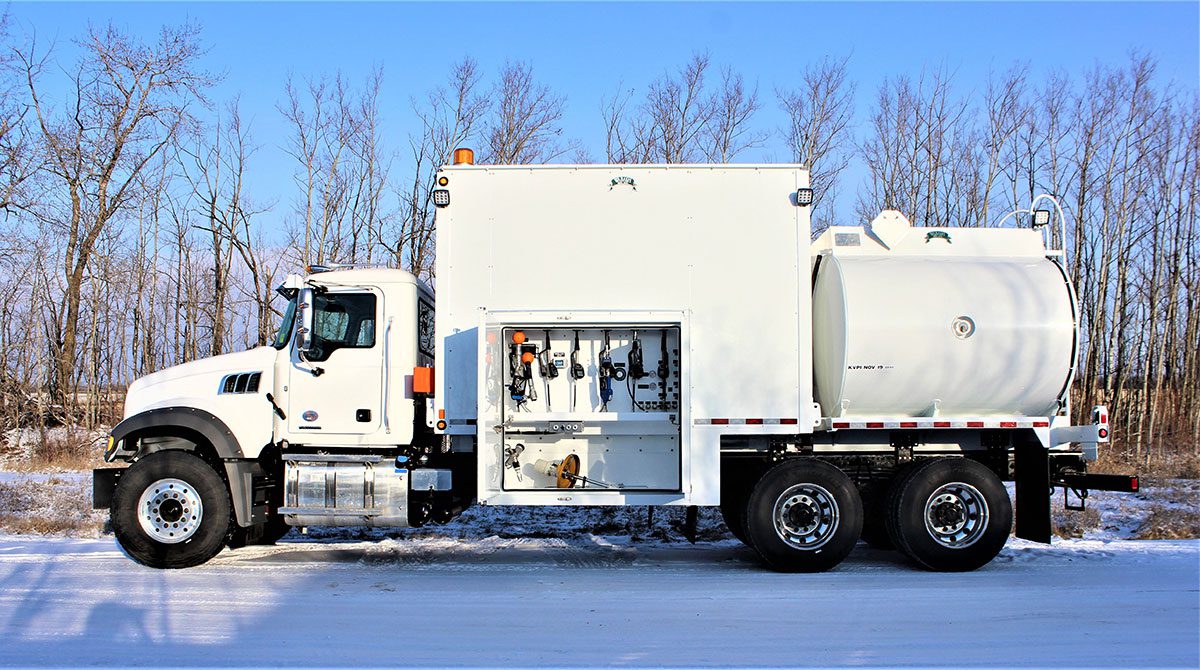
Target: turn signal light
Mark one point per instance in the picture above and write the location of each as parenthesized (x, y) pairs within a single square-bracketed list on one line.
[(441, 425)]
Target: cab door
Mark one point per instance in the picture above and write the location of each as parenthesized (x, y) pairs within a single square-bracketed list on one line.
[(336, 388)]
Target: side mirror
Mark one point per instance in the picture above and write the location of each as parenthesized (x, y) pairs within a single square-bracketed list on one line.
[(305, 306)]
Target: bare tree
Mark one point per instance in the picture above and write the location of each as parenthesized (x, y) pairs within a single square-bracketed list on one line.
[(525, 122), (915, 149), (214, 164), (680, 120), (729, 132), (819, 114), (342, 167), (18, 162), (449, 116), (128, 100)]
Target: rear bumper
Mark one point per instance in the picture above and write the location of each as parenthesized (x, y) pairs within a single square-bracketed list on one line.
[(1084, 481)]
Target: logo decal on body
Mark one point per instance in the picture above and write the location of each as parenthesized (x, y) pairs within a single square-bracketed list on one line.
[(938, 235), (309, 416), (622, 181)]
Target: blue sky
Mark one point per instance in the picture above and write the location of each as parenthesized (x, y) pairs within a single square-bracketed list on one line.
[(587, 50)]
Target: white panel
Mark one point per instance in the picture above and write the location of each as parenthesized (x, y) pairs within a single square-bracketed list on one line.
[(726, 244)]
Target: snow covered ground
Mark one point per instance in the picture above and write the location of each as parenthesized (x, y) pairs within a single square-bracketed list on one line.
[(593, 601), (589, 587)]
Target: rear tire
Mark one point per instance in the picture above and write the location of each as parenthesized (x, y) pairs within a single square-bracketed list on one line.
[(949, 514), (804, 515), (171, 510)]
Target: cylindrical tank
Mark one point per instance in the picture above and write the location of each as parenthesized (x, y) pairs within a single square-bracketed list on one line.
[(920, 336)]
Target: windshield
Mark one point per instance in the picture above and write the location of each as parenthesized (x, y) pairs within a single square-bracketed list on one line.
[(285, 326)]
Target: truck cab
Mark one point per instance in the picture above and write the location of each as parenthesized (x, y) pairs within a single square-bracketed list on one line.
[(325, 425)]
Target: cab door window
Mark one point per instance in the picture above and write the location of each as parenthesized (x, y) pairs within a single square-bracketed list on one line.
[(342, 321)]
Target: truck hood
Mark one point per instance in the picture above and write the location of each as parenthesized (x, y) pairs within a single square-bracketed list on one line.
[(198, 380)]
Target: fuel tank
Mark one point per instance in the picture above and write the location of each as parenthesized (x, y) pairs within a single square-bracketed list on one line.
[(949, 322)]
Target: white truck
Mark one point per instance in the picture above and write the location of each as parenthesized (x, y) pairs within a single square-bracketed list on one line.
[(637, 335)]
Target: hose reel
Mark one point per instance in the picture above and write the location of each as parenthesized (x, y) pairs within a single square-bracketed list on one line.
[(566, 472)]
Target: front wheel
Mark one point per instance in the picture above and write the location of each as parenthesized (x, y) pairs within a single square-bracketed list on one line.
[(171, 510), (804, 515), (949, 514)]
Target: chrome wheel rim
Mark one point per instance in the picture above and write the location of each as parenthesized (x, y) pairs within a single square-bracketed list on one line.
[(806, 516), (170, 511), (956, 514)]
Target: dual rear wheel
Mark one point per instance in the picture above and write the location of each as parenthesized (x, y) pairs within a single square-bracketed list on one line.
[(805, 515)]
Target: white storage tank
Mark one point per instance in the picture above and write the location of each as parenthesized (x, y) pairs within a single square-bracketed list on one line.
[(947, 322)]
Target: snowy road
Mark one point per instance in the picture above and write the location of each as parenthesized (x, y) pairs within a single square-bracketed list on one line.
[(549, 602)]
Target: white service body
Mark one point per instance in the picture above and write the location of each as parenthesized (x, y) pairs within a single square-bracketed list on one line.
[(719, 252)]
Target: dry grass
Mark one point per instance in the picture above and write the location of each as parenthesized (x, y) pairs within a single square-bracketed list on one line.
[(31, 450), (1170, 522), (55, 505), (1167, 466), (1071, 524)]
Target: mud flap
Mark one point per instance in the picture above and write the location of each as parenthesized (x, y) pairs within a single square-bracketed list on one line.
[(1032, 464)]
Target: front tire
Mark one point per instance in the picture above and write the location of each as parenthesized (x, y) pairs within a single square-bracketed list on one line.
[(804, 515), (949, 515), (171, 510)]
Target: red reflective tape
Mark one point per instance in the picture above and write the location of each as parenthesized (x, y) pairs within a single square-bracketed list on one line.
[(941, 424), (754, 422), (1008, 424), (720, 422), (841, 424), (1134, 483), (1041, 424), (874, 424), (908, 424), (974, 424), (789, 422)]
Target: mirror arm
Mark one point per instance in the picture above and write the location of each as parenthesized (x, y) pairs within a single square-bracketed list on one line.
[(316, 370)]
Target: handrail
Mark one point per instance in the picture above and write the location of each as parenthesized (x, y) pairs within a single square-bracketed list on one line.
[(1062, 220)]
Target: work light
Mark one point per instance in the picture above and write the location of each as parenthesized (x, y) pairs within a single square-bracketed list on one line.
[(804, 197), (441, 197), (1041, 217)]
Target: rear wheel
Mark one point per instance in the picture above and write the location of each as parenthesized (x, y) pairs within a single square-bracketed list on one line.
[(949, 514), (804, 515), (171, 510)]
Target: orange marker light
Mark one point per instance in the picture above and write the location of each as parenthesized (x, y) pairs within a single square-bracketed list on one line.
[(519, 337), (527, 357)]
